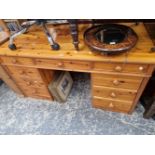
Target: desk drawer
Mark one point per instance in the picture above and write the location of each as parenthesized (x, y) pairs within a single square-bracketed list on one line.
[(63, 64), (48, 63), (40, 97), (32, 91), (24, 72), (112, 105), (77, 65), (33, 88), (116, 81), (37, 93), (36, 83), (17, 61), (113, 93), (121, 68), (30, 81)]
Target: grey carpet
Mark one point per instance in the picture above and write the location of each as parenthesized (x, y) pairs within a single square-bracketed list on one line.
[(76, 116)]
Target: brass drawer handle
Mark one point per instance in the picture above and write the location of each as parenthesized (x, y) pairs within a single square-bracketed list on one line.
[(111, 105), (113, 95), (35, 81), (118, 68), (141, 68), (60, 64), (14, 61), (39, 61), (29, 83), (34, 91), (22, 72), (116, 82)]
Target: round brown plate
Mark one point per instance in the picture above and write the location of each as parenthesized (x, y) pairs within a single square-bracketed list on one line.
[(110, 39)]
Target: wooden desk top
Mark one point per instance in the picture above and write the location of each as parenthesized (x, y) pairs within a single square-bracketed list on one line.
[(35, 44)]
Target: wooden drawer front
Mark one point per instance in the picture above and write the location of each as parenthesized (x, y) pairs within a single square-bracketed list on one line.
[(35, 93), (32, 91), (35, 83), (41, 97), (113, 93), (48, 63), (33, 88), (121, 68), (17, 61), (112, 105), (77, 65), (58, 64), (31, 73), (116, 81), (30, 82)]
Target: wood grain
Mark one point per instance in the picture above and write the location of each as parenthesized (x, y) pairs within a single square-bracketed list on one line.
[(31, 81), (35, 44), (117, 81), (112, 105), (113, 93), (10, 82), (31, 67)]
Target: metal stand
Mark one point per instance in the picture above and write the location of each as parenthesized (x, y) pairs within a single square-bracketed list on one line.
[(53, 44), (26, 26)]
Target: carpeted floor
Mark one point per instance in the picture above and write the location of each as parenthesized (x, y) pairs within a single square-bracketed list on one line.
[(76, 116)]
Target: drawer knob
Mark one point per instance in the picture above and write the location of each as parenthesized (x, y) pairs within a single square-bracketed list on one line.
[(111, 105), (116, 82), (60, 64), (34, 91), (29, 83), (113, 95), (118, 68), (141, 68), (22, 72), (14, 61)]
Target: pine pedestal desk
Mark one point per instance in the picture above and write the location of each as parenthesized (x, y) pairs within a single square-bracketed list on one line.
[(117, 82)]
